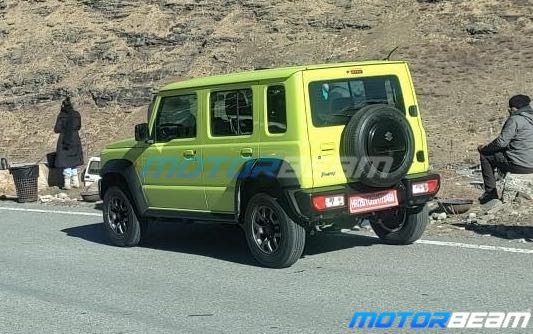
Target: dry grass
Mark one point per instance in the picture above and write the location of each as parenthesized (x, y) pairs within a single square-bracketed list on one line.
[(463, 81)]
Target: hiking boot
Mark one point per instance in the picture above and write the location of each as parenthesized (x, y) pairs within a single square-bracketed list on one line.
[(66, 184), (74, 181), (488, 196)]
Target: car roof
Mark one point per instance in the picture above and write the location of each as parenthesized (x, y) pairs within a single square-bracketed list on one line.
[(259, 75)]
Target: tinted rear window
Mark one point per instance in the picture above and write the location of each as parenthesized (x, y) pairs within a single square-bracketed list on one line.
[(277, 109), (333, 102), (94, 168)]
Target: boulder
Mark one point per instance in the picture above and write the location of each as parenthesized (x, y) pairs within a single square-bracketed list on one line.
[(7, 186), (63, 196), (481, 28), (493, 206), (517, 185), (49, 177), (46, 198)]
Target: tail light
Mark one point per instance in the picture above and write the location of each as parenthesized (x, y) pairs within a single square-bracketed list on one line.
[(324, 202), (425, 187)]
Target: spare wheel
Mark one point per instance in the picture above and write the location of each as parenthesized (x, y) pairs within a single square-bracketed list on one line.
[(379, 141)]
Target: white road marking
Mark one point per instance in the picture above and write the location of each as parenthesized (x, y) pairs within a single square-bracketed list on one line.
[(474, 246), (72, 213), (423, 242)]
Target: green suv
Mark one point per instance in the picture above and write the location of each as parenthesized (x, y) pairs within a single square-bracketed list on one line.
[(282, 152)]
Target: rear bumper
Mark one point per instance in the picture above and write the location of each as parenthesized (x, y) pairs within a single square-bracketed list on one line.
[(301, 201)]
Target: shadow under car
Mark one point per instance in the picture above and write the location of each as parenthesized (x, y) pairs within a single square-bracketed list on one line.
[(220, 241)]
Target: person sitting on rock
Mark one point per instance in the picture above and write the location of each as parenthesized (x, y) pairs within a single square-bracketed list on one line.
[(69, 153), (512, 150)]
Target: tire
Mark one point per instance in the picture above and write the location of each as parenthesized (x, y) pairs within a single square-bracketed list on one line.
[(286, 239), (402, 226), (380, 140), (121, 223)]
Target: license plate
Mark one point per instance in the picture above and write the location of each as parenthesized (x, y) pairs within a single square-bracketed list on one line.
[(373, 201)]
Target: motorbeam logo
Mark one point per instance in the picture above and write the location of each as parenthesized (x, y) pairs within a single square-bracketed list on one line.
[(213, 166), (421, 320)]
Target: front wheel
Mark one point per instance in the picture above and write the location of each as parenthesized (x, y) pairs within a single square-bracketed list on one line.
[(121, 223), (273, 238), (401, 226)]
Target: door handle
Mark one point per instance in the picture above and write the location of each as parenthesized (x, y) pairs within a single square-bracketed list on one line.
[(325, 147), (189, 154), (247, 152)]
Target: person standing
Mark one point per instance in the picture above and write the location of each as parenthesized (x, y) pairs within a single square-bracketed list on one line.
[(69, 153), (512, 151)]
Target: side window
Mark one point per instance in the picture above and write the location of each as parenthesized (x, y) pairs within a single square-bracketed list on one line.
[(176, 118), (276, 109), (232, 113)]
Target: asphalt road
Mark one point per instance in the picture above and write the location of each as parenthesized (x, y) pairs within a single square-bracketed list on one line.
[(58, 275)]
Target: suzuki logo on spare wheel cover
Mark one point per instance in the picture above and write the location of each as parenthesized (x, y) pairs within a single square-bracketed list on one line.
[(389, 136)]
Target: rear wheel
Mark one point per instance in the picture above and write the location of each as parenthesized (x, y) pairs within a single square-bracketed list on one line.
[(273, 238), (401, 226), (121, 223)]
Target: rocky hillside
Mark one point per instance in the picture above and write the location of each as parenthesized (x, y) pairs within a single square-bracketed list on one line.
[(467, 57)]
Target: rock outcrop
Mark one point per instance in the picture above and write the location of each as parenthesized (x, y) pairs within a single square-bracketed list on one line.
[(114, 53)]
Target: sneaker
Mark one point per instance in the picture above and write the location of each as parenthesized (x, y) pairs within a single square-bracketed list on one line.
[(66, 183), (488, 196)]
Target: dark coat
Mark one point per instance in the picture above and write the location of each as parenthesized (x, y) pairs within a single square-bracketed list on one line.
[(516, 138), (69, 153)]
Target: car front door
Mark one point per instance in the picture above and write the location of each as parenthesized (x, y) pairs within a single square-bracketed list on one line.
[(172, 168)]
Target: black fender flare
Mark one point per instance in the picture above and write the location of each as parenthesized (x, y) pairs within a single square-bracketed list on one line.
[(274, 171), (133, 184)]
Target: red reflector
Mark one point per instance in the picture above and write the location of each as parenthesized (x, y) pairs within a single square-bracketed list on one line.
[(426, 187), (328, 202), (319, 202), (433, 186)]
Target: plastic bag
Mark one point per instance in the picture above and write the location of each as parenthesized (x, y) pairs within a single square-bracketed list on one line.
[(25, 172)]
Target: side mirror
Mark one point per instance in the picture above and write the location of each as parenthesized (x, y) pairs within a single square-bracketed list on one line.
[(141, 132)]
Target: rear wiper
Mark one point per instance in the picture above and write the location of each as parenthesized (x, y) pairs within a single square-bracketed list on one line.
[(376, 101), (350, 111), (354, 109)]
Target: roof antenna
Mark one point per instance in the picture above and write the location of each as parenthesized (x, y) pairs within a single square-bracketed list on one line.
[(390, 53)]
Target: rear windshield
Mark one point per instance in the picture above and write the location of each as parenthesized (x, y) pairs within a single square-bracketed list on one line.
[(94, 168), (333, 102)]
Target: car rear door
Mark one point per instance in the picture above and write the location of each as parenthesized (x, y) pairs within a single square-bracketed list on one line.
[(330, 90), (232, 140)]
